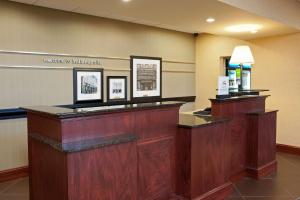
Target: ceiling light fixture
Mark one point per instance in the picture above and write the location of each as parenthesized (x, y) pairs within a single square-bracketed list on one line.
[(126, 1), (210, 20), (253, 28)]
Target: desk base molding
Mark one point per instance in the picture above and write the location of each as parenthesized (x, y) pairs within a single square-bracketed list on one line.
[(12, 174), (288, 149), (262, 171)]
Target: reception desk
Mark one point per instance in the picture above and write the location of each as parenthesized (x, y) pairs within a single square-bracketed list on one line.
[(237, 139), (111, 153), (146, 152)]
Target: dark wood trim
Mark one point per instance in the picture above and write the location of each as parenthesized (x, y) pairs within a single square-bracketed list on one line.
[(150, 98), (13, 113), (288, 149), (262, 171), (185, 99), (75, 71), (108, 88), (12, 174)]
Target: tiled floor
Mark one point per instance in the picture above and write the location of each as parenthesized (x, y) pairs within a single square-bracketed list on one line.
[(285, 185)]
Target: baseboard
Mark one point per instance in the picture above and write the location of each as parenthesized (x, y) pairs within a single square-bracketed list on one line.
[(221, 192), (262, 171), (12, 174), (288, 149)]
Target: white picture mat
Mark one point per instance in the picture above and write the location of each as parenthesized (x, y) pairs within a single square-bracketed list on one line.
[(122, 95), (155, 92), (246, 80), (223, 85), (85, 97)]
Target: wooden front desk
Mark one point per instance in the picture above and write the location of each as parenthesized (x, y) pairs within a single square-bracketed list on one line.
[(143, 152)]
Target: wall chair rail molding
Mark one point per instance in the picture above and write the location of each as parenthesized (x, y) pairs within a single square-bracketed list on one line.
[(81, 56), (288, 149), (12, 174), (60, 61)]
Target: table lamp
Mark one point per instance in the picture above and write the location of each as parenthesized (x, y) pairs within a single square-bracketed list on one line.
[(241, 55)]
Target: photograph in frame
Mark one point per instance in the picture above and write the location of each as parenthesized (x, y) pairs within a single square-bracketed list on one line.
[(88, 85), (146, 74), (116, 88)]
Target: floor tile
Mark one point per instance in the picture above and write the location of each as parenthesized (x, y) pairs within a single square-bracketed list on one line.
[(235, 192), (294, 159), (18, 188), (5, 185), (234, 198), (266, 187), (268, 198), (13, 197)]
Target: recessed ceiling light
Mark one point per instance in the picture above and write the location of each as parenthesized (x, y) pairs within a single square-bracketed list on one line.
[(243, 28), (210, 20), (126, 1)]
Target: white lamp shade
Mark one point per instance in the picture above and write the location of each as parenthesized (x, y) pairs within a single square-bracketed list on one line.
[(241, 55)]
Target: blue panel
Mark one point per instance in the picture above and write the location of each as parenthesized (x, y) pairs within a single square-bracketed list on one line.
[(245, 66)]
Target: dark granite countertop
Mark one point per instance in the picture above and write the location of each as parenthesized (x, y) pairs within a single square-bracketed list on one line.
[(61, 112), (84, 145), (195, 121), (237, 98)]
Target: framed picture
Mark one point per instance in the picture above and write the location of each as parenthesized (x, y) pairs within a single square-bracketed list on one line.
[(146, 78), (88, 85), (116, 88)]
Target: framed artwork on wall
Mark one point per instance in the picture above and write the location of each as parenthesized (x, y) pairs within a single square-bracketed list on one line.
[(146, 78), (116, 88), (88, 85)]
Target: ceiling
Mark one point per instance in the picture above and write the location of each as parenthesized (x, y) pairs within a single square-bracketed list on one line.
[(284, 11), (181, 15)]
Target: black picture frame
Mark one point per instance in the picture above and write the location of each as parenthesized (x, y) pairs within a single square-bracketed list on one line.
[(75, 85), (108, 78), (147, 98)]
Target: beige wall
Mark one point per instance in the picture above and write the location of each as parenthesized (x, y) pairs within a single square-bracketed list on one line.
[(29, 28), (209, 50), (276, 68)]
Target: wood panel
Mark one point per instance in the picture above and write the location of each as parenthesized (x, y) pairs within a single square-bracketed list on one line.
[(183, 162), (150, 124), (210, 151), (44, 125), (82, 128), (108, 173), (236, 110), (47, 172), (156, 169), (203, 162), (261, 143)]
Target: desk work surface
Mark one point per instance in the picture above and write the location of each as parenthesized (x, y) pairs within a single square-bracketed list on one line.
[(195, 121), (61, 112)]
